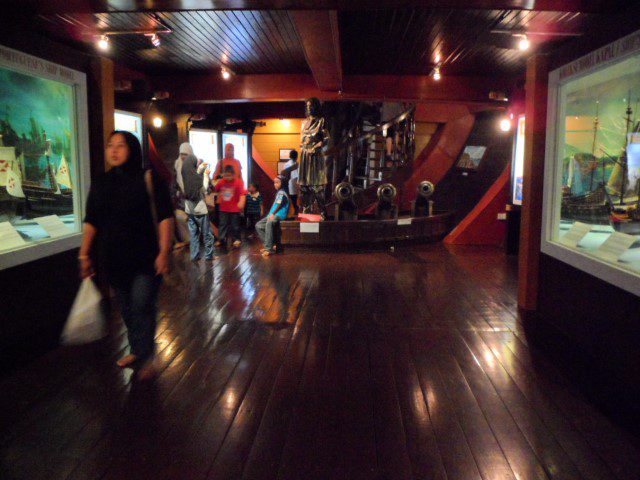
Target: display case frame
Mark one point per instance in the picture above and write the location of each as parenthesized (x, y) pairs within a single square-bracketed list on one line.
[(31, 65), (605, 57)]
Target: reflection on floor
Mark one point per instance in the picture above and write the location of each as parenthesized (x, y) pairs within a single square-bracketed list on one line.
[(402, 365)]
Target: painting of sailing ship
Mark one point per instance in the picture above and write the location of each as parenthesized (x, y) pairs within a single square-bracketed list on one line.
[(597, 175), (37, 149)]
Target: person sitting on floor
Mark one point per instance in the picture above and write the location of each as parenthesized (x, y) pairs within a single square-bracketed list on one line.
[(279, 211)]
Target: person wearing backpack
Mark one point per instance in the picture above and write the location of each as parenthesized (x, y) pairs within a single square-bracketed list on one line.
[(196, 183), (279, 211), (130, 214)]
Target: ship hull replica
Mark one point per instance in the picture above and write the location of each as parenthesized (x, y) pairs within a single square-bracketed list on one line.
[(591, 208)]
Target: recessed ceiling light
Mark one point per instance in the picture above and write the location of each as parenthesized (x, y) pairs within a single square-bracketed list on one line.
[(226, 74), (524, 43), (155, 40)]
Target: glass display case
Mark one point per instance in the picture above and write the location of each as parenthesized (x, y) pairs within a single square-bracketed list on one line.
[(43, 157), (592, 177)]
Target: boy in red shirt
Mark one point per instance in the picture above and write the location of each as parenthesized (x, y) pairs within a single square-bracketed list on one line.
[(232, 199)]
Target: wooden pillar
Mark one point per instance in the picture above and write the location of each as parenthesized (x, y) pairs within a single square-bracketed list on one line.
[(534, 151), (101, 109)]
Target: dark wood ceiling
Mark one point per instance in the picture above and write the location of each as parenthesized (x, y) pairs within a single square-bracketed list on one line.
[(247, 41), (401, 41), (406, 41)]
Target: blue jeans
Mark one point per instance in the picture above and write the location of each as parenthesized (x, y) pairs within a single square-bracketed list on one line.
[(229, 226), (266, 231), (138, 307), (199, 225)]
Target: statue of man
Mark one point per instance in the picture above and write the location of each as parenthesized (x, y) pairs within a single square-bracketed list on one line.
[(312, 173)]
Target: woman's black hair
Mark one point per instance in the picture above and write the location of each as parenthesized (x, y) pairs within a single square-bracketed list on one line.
[(293, 155), (255, 185), (134, 162)]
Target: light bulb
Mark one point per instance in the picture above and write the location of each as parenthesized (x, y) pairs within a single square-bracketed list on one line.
[(438, 58), (103, 43), (505, 125), (155, 40), (436, 74), (226, 74), (157, 121), (524, 43)]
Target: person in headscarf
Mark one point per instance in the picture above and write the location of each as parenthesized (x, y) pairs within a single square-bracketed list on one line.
[(177, 194), (196, 182), (129, 212), (228, 159)]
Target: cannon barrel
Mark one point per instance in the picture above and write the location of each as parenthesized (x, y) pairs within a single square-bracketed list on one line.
[(387, 192), (426, 189), (344, 192)]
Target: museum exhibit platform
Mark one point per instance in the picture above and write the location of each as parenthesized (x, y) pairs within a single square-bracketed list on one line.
[(369, 231)]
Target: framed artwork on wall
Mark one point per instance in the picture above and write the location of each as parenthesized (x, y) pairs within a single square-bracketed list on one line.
[(44, 157), (471, 157), (284, 155)]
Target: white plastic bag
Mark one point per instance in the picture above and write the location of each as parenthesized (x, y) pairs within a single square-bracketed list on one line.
[(85, 323)]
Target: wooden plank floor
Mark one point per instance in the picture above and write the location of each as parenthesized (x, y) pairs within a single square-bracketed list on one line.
[(387, 365)]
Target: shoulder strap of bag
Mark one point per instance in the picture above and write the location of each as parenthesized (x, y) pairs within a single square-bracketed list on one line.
[(148, 180)]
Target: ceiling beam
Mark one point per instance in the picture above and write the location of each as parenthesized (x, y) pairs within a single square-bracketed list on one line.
[(320, 37), (270, 88), (96, 6)]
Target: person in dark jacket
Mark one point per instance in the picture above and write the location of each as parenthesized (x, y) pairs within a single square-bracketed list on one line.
[(120, 214)]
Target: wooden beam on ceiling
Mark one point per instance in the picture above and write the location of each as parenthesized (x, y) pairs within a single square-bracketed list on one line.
[(98, 6), (319, 33), (277, 88)]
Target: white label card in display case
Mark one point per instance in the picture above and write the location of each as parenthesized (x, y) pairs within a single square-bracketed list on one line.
[(53, 226), (575, 234), (9, 237), (309, 227), (404, 221), (614, 246)]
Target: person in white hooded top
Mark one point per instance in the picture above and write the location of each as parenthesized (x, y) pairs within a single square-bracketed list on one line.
[(177, 191)]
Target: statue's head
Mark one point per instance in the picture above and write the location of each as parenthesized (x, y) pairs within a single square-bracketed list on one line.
[(312, 107)]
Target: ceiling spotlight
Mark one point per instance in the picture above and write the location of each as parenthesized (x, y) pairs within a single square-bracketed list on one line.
[(436, 74), (157, 121), (524, 43), (226, 74), (155, 40), (505, 124), (438, 58), (103, 43)]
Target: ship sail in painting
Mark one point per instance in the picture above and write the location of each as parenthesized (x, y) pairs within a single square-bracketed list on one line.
[(36, 146)]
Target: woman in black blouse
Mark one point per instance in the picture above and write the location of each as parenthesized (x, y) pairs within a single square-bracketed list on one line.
[(119, 214)]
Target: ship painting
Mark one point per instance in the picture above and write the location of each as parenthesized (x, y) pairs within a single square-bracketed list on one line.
[(36, 146)]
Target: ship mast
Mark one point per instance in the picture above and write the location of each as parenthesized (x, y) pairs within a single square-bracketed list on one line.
[(596, 123), (625, 166)]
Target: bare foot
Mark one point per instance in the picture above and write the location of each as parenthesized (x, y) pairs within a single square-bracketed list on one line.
[(127, 360), (148, 370)]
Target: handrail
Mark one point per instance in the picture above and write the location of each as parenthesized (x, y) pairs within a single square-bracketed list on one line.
[(365, 136), (348, 150)]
